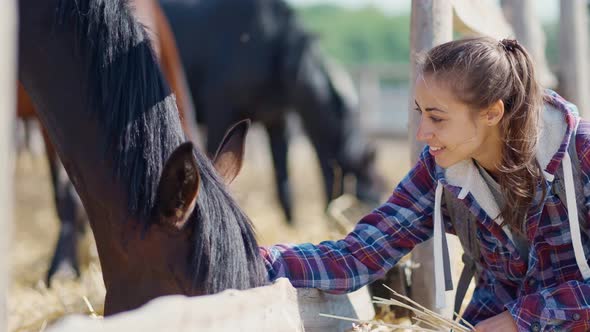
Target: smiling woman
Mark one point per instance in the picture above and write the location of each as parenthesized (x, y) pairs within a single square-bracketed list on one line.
[(498, 147), (452, 130), (493, 102)]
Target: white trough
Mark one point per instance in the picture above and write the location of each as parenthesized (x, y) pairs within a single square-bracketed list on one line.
[(277, 307)]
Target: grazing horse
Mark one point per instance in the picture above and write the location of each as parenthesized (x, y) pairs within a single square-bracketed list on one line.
[(69, 208), (253, 59), (159, 211)]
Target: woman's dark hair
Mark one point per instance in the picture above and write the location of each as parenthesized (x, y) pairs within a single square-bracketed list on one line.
[(481, 71)]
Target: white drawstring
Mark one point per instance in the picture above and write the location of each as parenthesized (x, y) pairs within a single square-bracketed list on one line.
[(572, 211), (439, 278)]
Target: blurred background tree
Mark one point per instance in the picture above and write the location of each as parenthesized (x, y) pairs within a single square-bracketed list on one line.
[(359, 36), (368, 35)]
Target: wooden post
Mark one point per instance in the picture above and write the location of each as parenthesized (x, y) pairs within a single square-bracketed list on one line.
[(527, 29), (431, 24), (480, 18), (8, 31), (573, 53)]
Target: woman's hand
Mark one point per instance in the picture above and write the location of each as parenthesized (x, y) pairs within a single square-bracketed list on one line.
[(502, 322)]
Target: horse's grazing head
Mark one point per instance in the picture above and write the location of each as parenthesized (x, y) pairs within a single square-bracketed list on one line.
[(361, 163), (324, 95), (340, 141), (198, 241), (356, 155)]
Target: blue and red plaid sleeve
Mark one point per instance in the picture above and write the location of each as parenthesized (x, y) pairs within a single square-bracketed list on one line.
[(376, 244)]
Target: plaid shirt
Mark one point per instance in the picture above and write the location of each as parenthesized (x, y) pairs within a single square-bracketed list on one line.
[(547, 295)]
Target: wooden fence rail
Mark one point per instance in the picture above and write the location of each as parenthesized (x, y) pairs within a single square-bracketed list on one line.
[(278, 307)]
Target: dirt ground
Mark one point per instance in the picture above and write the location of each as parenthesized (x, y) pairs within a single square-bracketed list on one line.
[(32, 306)]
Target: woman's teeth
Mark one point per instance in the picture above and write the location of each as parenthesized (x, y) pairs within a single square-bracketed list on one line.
[(434, 148)]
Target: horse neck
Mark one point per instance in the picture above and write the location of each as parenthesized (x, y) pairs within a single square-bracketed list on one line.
[(56, 76)]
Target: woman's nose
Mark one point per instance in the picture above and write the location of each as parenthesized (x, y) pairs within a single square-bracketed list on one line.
[(424, 132)]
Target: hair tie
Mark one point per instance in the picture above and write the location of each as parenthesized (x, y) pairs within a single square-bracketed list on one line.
[(509, 45)]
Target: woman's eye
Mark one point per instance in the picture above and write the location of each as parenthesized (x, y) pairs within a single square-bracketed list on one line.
[(433, 118)]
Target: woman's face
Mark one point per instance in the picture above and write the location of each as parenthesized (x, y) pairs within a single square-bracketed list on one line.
[(453, 131)]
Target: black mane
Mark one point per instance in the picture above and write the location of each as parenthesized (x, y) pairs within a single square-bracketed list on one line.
[(226, 250), (128, 95)]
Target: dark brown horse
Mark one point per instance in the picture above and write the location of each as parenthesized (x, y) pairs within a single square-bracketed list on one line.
[(254, 59), (161, 216), (69, 208)]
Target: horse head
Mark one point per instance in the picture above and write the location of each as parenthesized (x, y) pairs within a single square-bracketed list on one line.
[(324, 95), (198, 241)]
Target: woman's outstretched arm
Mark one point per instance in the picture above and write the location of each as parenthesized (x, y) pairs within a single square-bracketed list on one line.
[(376, 244)]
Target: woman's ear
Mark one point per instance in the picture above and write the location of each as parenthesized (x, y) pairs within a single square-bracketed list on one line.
[(494, 113)]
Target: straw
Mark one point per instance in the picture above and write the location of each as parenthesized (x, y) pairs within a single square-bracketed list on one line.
[(425, 320)]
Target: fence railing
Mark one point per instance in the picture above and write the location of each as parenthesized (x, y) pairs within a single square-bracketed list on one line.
[(278, 307)]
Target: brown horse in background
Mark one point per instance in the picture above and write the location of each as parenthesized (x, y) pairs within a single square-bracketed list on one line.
[(71, 214)]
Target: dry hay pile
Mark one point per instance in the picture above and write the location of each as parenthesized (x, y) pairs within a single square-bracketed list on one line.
[(32, 306)]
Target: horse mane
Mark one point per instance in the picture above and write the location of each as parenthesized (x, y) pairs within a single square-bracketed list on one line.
[(224, 238), (128, 95)]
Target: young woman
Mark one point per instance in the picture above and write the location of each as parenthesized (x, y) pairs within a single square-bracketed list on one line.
[(495, 142)]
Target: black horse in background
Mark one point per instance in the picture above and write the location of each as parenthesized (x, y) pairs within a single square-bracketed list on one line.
[(253, 59)]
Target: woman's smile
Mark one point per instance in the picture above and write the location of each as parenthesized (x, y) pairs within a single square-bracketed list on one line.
[(436, 150)]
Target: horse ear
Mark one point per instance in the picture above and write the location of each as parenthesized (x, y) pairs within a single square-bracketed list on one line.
[(230, 153), (178, 187)]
